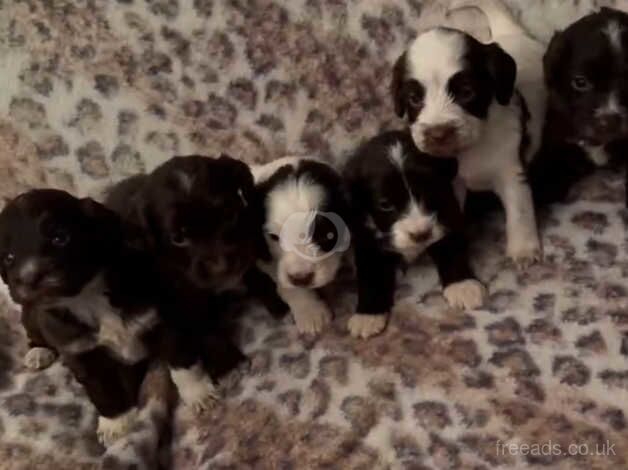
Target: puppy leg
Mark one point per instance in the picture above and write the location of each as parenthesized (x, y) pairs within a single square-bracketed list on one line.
[(38, 358), (195, 387), (376, 271), (113, 387), (310, 313), (40, 355), (110, 429), (523, 245), (460, 287)]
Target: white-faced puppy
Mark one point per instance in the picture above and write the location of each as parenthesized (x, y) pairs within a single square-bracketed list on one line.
[(586, 73), (85, 294), (466, 99), (307, 233), (405, 205)]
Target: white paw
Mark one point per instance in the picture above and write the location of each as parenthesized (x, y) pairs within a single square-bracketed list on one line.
[(467, 294), (364, 325), (39, 358), (110, 430), (196, 389), (313, 320), (525, 252)]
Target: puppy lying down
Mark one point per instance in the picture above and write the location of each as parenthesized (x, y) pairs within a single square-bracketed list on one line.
[(86, 295), (305, 213), (405, 205)]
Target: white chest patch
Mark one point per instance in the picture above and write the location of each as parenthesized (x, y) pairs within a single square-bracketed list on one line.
[(122, 336)]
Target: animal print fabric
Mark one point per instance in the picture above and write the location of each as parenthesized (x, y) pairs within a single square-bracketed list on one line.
[(92, 91)]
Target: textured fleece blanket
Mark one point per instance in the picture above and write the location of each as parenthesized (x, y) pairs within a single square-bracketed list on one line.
[(92, 91)]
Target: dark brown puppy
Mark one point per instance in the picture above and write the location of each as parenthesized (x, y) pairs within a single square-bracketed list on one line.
[(86, 294), (586, 74), (199, 217)]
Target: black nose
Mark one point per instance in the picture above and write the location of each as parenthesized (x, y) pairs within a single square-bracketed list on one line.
[(421, 236), (440, 134), (301, 279), (609, 123)]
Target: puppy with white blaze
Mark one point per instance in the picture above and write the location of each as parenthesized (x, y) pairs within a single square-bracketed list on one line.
[(484, 104), (405, 205), (306, 233)]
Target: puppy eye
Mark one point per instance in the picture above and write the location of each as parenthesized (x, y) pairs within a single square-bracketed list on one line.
[(274, 237), (60, 238), (466, 92), (179, 237), (580, 83), (415, 99), (8, 260), (385, 205)]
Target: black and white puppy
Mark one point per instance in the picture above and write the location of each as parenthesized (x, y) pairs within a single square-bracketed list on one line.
[(307, 233), (198, 214), (586, 73), (85, 294), (484, 104), (405, 205)]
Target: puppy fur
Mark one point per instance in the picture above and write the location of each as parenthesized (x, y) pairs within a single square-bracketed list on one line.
[(466, 99), (306, 229), (199, 217), (587, 116), (85, 294), (406, 205)]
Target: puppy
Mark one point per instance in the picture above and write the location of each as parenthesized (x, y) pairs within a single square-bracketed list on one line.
[(587, 116), (305, 214), (198, 215), (405, 205), (463, 98), (85, 294)]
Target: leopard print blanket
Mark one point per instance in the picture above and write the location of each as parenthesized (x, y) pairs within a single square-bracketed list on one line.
[(96, 90)]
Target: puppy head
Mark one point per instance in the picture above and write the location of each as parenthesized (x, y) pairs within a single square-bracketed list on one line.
[(407, 196), (305, 222), (444, 85), (586, 72), (52, 243), (198, 214)]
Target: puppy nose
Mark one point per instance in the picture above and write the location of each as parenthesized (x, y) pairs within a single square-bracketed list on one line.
[(440, 133), (421, 236), (301, 279), (609, 123)]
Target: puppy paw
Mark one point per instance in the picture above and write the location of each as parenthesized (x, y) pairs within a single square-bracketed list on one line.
[(110, 430), (195, 388), (525, 253), (39, 358), (364, 326), (467, 294), (312, 321)]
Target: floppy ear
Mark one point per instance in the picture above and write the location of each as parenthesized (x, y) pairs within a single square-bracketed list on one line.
[(108, 224), (503, 69), (396, 85), (242, 174), (553, 54)]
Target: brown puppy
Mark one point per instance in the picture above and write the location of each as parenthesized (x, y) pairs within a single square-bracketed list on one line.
[(200, 220), (86, 295)]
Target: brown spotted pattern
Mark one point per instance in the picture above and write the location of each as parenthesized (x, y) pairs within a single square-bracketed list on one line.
[(96, 90)]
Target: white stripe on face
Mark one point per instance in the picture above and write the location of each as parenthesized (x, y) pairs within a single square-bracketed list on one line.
[(614, 31)]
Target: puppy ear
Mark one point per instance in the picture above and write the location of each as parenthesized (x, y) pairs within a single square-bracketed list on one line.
[(396, 85), (552, 57), (241, 173), (108, 224), (503, 69)]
